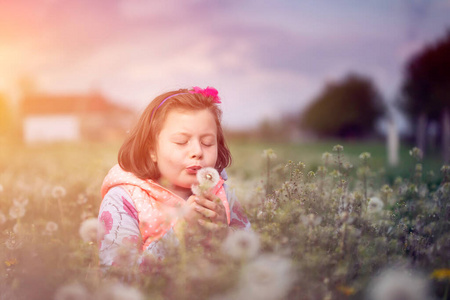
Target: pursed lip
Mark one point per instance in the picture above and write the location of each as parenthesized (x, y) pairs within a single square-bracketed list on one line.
[(193, 169)]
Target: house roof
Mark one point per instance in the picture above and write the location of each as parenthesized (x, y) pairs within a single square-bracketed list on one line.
[(68, 104)]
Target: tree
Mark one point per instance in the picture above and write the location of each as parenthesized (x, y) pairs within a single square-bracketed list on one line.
[(345, 109), (425, 92)]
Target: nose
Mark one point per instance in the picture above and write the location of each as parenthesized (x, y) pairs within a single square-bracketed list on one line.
[(196, 150)]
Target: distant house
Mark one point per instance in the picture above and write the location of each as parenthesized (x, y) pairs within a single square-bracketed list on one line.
[(54, 118)]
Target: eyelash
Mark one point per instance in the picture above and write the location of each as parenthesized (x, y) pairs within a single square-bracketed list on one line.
[(204, 144)]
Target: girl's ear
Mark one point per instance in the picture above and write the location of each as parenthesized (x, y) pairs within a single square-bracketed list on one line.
[(153, 155)]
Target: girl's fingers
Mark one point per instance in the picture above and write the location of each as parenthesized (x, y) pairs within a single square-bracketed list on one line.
[(206, 202), (205, 211)]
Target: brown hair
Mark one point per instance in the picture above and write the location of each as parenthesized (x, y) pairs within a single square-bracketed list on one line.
[(134, 155)]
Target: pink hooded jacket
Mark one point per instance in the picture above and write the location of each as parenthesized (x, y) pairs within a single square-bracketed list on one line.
[(158, 208)]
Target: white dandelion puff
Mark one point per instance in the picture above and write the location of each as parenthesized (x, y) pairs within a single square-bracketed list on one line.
[(89, 229), (20, 201), (51, 226), (396, 284), (119, 291), (268, 277), (73, 291), (58, 192), (17, 212), (375, 205), (241, 244), (207, 178)]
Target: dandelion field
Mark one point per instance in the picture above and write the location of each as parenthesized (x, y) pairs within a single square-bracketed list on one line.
[(329, 222)]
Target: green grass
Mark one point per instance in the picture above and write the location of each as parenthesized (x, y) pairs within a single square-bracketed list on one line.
[(247, 161)]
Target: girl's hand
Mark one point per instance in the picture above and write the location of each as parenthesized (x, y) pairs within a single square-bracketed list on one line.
[(211, 207), (191, 215)]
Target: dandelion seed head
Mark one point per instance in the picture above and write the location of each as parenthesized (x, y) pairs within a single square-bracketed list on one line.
[(21, 201), (241, 244), (207, 178), (375, 205), (16, 212), (268, 277), (397, 284), (73, 291), (89, 229), (51, 226), (58, 192)]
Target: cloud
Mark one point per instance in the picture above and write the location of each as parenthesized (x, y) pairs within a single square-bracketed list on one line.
[(264, 57)]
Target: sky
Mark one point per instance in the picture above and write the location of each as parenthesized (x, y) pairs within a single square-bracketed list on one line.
[(266, 58)]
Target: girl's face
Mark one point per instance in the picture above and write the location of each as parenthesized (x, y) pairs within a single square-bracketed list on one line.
[(186, 143)]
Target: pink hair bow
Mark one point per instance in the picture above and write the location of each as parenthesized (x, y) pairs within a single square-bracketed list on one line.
[(208, 92)]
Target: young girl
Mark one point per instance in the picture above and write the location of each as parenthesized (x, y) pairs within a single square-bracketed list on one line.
[(147, 197)]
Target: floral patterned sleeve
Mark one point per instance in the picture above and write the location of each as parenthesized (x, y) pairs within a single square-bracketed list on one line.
[(121, 241)]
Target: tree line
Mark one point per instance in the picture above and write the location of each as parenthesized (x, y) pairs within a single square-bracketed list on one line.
[(350, 108)]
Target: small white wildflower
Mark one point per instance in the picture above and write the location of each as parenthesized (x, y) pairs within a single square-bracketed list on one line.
[(241, 244), (399, 284), (207, 178), (119, 291), (326, 156), (311, 220), (58, 192), (89, 230), (268, 277), (269, 153), (16, 212), (20, 201), (338, 148), (364, 156), (2, 218), (375, 205), (416, 153), (73, 291)]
